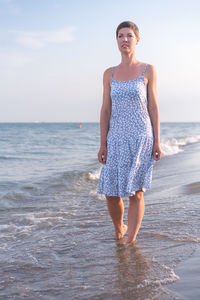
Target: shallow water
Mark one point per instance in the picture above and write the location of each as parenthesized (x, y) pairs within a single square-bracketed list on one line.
[(56, 237)]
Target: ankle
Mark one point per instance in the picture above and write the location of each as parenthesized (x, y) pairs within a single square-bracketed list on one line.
[(131, 238), (120, 228)]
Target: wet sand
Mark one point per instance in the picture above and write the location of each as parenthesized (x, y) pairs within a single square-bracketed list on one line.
[(188, 271), (188, 286)]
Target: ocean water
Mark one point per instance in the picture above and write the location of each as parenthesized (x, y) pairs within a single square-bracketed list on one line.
[(56, 237)]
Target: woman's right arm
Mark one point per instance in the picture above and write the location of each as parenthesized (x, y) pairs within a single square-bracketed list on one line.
[(105, 116)]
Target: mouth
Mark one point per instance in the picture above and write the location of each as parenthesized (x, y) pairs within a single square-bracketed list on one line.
[(124, 46)]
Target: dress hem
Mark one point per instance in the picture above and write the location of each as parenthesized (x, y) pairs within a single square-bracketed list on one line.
[(144, 189)]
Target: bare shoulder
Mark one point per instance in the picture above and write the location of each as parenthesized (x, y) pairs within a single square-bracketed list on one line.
[(107, 75), (150, 72), (108, 71)]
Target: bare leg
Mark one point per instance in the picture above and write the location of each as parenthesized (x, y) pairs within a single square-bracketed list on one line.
[(135, 215), (116, 209)]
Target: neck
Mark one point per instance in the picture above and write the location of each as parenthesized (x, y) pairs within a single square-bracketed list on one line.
[(128, 59)]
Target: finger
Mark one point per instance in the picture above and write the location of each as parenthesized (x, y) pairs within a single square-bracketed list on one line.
[(154, 155), (100, 159), (158, 156)]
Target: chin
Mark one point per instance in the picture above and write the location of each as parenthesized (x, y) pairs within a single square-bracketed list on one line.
[(125, 50)]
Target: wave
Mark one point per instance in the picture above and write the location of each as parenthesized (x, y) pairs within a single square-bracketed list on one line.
[(174, 145), (94, 175), (169, 277)]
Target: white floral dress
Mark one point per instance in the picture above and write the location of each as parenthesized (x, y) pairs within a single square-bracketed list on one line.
[(130, 161)]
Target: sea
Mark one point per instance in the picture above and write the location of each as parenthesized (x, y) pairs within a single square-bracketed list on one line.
[(56, 236)]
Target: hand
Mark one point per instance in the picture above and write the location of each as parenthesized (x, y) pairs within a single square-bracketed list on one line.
[(157, 151), (102, 154)]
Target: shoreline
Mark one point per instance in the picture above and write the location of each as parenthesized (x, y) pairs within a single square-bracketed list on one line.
[(188, 185)]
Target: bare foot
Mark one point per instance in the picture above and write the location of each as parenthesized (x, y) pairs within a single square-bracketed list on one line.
[(128, 241), (122, 233)]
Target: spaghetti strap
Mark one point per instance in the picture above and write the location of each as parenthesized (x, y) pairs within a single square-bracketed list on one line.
[(144, 69), (112, 71)]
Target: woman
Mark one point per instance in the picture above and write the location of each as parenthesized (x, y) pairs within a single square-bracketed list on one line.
[(130, 133)]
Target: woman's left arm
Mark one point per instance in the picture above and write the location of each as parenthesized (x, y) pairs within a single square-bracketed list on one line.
[(153, 109)]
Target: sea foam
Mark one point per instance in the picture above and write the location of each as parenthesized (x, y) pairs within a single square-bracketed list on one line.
[(175, 145)]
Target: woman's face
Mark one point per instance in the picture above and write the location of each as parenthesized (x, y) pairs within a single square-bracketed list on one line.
[(126, 40)]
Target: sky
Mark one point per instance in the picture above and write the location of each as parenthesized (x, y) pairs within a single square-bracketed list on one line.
[(53, 54)]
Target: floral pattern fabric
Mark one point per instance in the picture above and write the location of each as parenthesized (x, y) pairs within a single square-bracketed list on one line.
[(130, 139)]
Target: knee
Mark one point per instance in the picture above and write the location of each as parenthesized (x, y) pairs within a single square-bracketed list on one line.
[(113, 198), (137, 197)]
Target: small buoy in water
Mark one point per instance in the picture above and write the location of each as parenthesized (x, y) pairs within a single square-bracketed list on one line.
[(80, 126)]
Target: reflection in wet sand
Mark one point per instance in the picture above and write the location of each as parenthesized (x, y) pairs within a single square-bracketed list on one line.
[(137, 277)]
